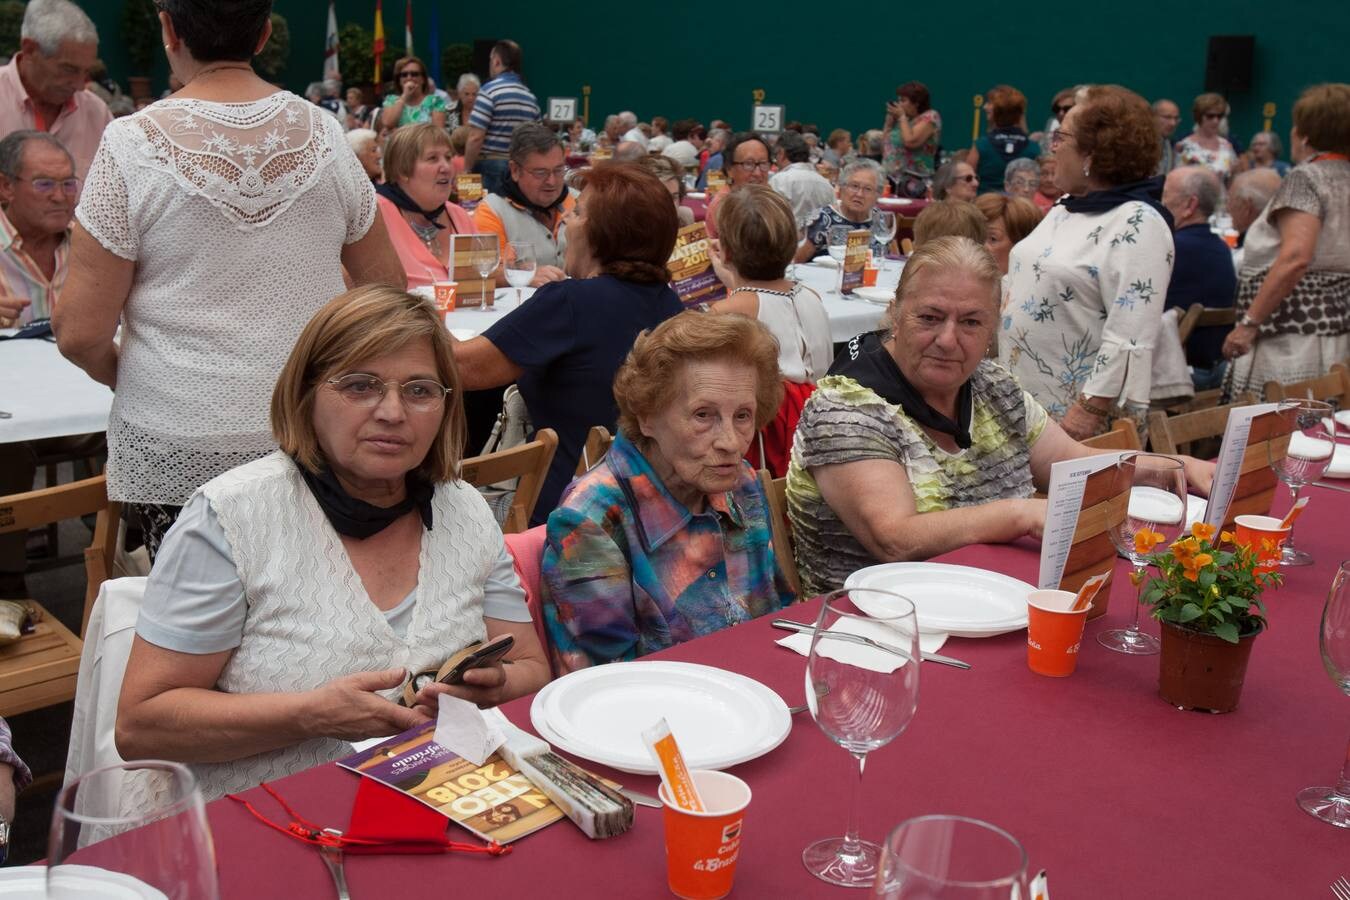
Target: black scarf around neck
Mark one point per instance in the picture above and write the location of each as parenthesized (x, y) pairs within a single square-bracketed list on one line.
[(867, 361), (511, 190), (1148, 191), (399, 197), (351, 517)]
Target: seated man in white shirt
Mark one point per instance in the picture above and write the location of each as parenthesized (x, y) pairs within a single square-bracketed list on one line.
[(798, 180), (628, 121)]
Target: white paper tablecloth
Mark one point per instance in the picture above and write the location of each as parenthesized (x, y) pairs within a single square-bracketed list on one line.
[(848, 317), (46, 395)]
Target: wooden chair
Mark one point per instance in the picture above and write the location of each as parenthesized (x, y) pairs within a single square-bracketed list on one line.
[(526, 464), (776, 490), (597, 444), (1122, 436), (1333, 387), (41, 668), (1175, 434), (1188, 321)]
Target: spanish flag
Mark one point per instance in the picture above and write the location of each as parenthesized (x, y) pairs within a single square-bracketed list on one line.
[(378, 47)]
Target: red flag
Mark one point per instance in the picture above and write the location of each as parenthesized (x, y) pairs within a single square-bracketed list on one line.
[(378, 46)]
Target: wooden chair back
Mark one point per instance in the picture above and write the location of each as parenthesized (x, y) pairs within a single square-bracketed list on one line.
[(775, 489), (41, 668), (1209, 318), (100, 555), (1175, 434), (1122, 436), (1188, 321), (597, 444), (1333, 387), (527, 462)]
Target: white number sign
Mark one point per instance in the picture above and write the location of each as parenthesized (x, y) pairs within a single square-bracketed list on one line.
[(768, 119), (562, 109)]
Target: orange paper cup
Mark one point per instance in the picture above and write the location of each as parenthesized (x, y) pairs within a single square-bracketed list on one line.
[(1264, 535), (702, 847), (445, 296), (1053, 633)]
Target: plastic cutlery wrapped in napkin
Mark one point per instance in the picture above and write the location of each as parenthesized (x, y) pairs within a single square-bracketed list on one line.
[(860, 655)]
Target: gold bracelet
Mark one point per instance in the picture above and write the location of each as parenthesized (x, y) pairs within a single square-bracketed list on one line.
[(1094, 410)]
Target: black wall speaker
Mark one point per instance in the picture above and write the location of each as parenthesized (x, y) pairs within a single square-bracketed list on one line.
[(1228, 64)]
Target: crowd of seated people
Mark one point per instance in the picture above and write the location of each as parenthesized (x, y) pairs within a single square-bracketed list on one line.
[(327, 490)]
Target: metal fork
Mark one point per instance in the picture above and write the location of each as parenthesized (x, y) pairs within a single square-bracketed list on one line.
[(1340, 888), (332, 858)]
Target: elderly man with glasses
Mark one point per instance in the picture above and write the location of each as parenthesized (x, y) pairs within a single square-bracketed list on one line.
[(745, 161), (531, 201), (860, 184)]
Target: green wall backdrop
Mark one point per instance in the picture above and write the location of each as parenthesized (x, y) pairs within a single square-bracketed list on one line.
[(836, 64)]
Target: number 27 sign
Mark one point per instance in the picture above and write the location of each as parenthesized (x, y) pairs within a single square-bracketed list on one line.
[(562, 109)]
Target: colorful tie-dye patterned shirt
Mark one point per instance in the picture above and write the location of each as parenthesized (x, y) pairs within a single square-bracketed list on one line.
[(629, 570)]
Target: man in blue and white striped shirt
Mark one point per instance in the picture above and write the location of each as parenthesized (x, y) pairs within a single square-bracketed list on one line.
[(503, 103)]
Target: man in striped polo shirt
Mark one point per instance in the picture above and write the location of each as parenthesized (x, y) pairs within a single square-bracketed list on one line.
[(503, 103)]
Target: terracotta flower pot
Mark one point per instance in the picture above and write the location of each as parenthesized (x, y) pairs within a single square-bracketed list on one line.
[(1201, 671)]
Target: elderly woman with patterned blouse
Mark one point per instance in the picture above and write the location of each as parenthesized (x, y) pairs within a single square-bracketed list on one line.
[(669, 537), (915, 443), (1083, 298)]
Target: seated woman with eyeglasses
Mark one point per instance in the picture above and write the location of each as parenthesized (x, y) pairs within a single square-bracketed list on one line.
[(860, 184), (296, 593)]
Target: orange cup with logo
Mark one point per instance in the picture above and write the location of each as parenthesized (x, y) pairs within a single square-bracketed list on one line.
[(445, 293), (1054, 634), (1264, 535), (702, 847)]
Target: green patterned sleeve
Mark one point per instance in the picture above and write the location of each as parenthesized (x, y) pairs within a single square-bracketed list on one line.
[(844, 422), (1036, 418)]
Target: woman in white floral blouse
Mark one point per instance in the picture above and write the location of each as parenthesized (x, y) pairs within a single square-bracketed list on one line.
[(1084, 291)]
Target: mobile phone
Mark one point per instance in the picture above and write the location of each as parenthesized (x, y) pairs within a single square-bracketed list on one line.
[(474, 657)]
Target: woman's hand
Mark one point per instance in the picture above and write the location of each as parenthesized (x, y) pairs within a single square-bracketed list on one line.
[(411, 89), (484, 686), (1199, 474), (719, 264), (349, 709), (10, 310), (1239, 342), (1080, 424)]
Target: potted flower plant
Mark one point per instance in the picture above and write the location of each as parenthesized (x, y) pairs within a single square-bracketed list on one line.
[(1207, 597)]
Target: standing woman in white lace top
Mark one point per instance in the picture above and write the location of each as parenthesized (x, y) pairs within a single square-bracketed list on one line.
[(213, 225)]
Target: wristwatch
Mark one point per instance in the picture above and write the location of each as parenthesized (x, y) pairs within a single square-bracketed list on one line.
[(4, 840), (1248, 322)]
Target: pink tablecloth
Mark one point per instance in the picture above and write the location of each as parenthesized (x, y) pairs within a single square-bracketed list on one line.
[(1111, 790)]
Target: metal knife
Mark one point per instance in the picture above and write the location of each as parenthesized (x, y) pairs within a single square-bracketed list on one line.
[(640, 798), (802, 628)]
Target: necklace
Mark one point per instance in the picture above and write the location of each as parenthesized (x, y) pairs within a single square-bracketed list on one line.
[(425, 233), (211, 70), (754, 290)]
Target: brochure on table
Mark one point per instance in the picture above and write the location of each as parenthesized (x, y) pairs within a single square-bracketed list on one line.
[(1243, 480), (855, 259), (715, 183), (691, 269), (1084, 500), (466, 250), (468, 191), (492, 800)]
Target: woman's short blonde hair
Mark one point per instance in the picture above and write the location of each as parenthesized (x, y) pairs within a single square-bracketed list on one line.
[(1208, 103), (361, 325), (948, 255), (758, 232), (406, 145), (645, 384), (1322, 116), (941, 218), (1020, 216)]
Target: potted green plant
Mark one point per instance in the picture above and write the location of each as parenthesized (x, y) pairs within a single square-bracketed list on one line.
[(1207, 597), (141, 37)]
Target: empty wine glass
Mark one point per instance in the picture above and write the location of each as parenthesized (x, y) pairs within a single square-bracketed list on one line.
[(836, 241), (1332, 804), (951, 858), (883, 228), (1157, 503), (162, 849), (1311, 444), (485, 261), (520, 266), (859, 708)]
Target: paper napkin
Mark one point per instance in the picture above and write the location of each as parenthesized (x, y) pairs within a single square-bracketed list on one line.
[(462, 729), (861, 656)]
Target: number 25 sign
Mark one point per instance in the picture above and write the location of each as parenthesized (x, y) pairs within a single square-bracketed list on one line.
[(768, 119), (562, 109)]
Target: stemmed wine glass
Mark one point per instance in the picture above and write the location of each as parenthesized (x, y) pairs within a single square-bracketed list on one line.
[(1332, 804), (485, 260), (520, 266), (837, 243), (1311, 445), (1157, 503), (943, 857), (858, 708), (163, 849), (883, 228)]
